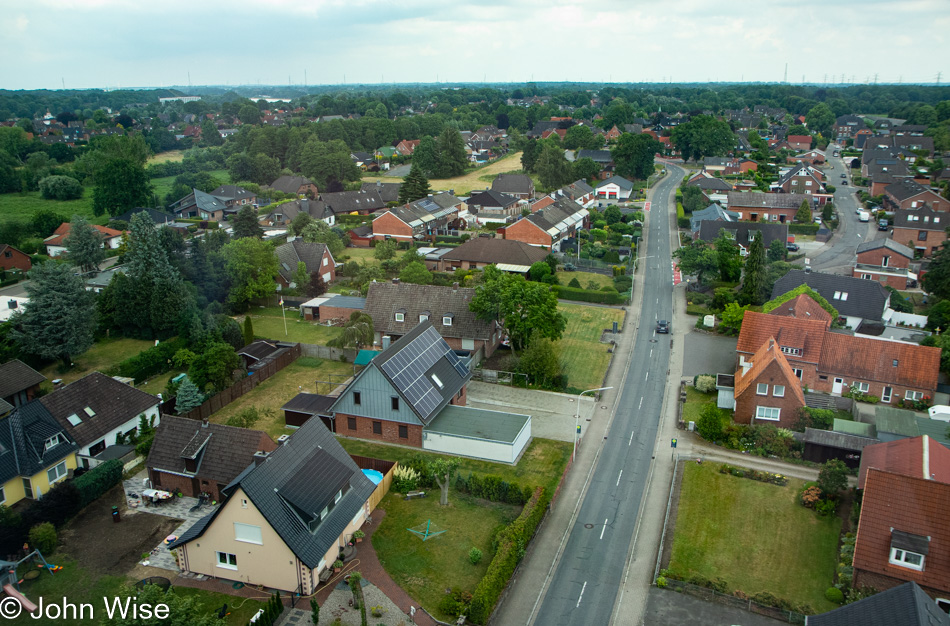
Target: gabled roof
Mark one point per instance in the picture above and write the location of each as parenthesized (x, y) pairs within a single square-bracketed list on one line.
[(221, 452), (512, 183), (714, 213), (112, 404), (620, 181), (767, 354), (887, 243), (760, 200), (558, 217), (15, 376), (317, 209), (23, 435), (384, 299), (491, 198), (231, 192), (906, 188), (598, 156), (575, 190), (922, 457), (293, 485), (895, 508), (802, 169), (353, 201), (311, 254), (757, 328), (388, 192), (260, 349), (865, 298), (742, 231), (710, 183), (840, 440), (203, 201), (921, 219), (907, 605), (290, 184), (58, 238), (803, 307), (490, 250), (890, 362)]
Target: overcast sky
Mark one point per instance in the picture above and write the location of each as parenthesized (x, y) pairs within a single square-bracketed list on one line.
[(131, 43)]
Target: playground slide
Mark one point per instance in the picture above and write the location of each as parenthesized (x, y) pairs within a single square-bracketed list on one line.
[(13, 593)]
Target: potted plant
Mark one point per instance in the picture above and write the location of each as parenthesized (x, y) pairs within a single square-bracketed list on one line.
[(358, 535), (337, 566)]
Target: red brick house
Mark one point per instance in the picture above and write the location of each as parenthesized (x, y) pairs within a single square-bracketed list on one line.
[(480, 252), (406, 147), (767, 390), (905, 194), (803, 307), (886, 261), (757, 206), (799, 142), (812, 157), (13, 259), (297, 185), (803, 179), (316, 256), (418, 219), (19, 383), (548, 227), (922, 229)]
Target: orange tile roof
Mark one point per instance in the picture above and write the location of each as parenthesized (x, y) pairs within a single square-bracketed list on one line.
[(765, 356), (915, 456), (803, 307), (911, 505), (59, 235), (758, 327), (870, 358), (546, 201)]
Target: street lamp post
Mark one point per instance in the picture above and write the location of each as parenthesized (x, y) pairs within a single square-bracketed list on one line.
[(577, 426)]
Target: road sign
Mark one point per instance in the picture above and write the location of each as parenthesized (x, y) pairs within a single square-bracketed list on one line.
[(673, 443)]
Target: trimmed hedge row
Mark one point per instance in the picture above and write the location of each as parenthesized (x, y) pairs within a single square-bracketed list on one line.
[(97, 481), (156, 360), (511, 544), (585, 295), (492, 488), (803, 229)]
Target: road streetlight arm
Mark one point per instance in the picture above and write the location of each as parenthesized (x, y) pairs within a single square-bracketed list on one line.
[(577, 416)]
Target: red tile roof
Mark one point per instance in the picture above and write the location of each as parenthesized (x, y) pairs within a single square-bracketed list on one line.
[(59, 235), (870, 358), (909, 505), (917, 456), (803, 307), (765, 356), (758, 327), (546, 201), (798, 139)]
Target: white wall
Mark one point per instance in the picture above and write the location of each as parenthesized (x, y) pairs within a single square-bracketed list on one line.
[(894, 318), (133, 422), (478, 448)]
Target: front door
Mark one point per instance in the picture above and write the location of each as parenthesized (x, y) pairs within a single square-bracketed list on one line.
[(837, 387)]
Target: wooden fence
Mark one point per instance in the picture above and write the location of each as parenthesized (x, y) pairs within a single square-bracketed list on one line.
[(386, 468), (223, 398)]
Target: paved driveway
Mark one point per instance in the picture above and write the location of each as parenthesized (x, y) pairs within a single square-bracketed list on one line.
[(709, 354), (669, 608), (552, 414)]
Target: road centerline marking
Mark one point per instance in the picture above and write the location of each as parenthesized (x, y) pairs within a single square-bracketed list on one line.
[(618, 478), (581, 597), (604, 528)]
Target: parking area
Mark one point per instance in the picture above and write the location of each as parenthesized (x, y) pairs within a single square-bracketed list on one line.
[(552, 414), (709, 354)]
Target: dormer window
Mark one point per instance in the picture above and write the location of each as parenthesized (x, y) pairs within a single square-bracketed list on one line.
[(447, 319), (792, 351), (52, 442), (401, 315), (423, 317)]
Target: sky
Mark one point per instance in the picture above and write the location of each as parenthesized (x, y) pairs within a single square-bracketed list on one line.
[(129, 43)]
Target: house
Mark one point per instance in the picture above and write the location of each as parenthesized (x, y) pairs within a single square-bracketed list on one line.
[(614, 188), (915, 143), (304, 405), (767, 389), (712, 213), (882, 172), (35, 453), (922, 456), (549, 227), (799, 142), (903, 535), (480, 252), (19, 383), (419, 219), (286, 517), (493, 206), (518, 185), (13, 259), (744, 233), (296, 185), (199, 205), (388, 192), (756, 206), (922, 229), (98, 411), (316, 256), (234, 196), (413, 393), (194, 457), (855, 299), (578, 191), (803, 179), (715, 189), (364, 160), (884, 261), (600, 157), (905, 604), (397, 308), (811, 157), (803, 307), (361, 202), (906, 194), (715, 164), (284, 213), (161, 218), (56, 243), (406, 147), (847, 125)]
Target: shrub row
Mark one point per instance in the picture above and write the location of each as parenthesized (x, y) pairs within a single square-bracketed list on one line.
[(764, 598), (511, 544), (584, 295), (492, 488), (156, 360), (803, 229), (754, 474), (97, 481)]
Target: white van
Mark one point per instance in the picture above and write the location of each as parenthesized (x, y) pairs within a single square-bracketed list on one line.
[(864, 216), (940, 412)]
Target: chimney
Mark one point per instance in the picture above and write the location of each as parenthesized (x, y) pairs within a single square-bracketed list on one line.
[(11, 304), (386, 340)]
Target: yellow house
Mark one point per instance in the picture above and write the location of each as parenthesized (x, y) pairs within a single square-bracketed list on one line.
[(286, 518), (35, 453)]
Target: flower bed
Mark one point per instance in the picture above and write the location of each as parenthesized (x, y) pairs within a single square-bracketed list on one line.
[(753, 474)]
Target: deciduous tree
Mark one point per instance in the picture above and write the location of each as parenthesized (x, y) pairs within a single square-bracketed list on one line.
[(252, 267), (703, 136), (416, 273), (633, 155), (121, 185), (699, 260), (246, 224), (318, 231), (214, 367), (937, 279)]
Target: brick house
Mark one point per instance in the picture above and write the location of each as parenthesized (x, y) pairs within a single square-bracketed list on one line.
[(922, 229), (297, 185), (200, 205), (13, 259), (757, 206), (548, 227), (856, 300), (882, 172), (316, 256), (397, 308), (285, 212), (480, 252), (493, 206), (332, 307), (907, 194), (906, 604), (234, 196), (193, 456), (847, 125), (886, 261), (802, 179), (799, 142), (406, 147), (803, 307), (766, 388), (363, 202), (419, 219), (811, 157)]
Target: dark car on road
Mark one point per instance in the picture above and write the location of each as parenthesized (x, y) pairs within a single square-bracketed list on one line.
[(791, 247), (663, 327)]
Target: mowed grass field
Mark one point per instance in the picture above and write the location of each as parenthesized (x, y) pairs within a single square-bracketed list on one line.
[(585, 359), (22, 206), (101, 356), (269, 324), (164, 184), (464, 184), (584, 278), (756, 536)]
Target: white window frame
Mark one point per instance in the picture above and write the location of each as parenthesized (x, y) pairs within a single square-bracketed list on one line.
[(760, 413), (862, 387), (423, 318), (887, 393), (762, 389), (910, 394), (326, 261), (227, 562), (898, 557), (446, 320), (3, 496), (338, 496), (400, 317), (778, 391), (248, 533), (52, 442), (60, 470), (798, 372)]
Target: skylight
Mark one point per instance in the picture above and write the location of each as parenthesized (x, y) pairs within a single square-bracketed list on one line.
[(74, 420)]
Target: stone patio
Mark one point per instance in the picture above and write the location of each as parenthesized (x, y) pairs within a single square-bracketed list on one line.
[(338, 606)]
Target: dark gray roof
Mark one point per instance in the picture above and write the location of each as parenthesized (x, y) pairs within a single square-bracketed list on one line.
[(5, 407), (260, 349), (200, 200), (317, 209), (231, 192), (620, 181), (512, 183), (714, 213), (221, 451), (384, 299), (709, 231), (112, 403), (802, 169), (598, 156), (890, 244), (346, 302), (904, 605), (15, 376), (491, 198), (758, 199), (312, 403), (551, 216), (290, 184), (388, 192), (576, 189), (834, 439), (289, 254), (905, 188), (291, 487), (866, 298), (353, 201), (23, 435), (921, 219), (489, 250), (710, 183)]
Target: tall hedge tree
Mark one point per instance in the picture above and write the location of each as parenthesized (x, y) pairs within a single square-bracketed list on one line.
[(415, 186), (452, 157), (755, 275), (252, 267), (84, 245)]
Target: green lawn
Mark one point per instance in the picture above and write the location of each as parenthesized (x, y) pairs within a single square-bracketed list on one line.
[(268, 322), (695, 400), (585, 359), (22, 206), (164, 184), (277, 390), (755, 536), (363, 255), (102, 355), (585, 277), (425, 569)]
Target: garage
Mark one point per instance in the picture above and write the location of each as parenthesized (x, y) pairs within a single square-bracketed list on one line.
[(478, 433)]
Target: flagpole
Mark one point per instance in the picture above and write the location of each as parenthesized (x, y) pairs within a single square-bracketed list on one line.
[(283, 315)]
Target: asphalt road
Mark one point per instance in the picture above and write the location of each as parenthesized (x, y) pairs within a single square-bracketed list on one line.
[(585, 584), (851, 232)]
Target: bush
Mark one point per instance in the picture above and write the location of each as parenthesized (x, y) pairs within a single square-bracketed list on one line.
[(474, 555), (584, 295), (156, 360), (803, 229), (706, 383), (709, 425), (60, 188), (98, 480), (405, 479), (575, 284), (661, 582), (43, 538), (811, 496)]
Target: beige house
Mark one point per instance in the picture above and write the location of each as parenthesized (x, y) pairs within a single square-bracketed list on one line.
[(287, 517)]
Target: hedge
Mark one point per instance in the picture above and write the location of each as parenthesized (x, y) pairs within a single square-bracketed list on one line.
[(492, 488), (149, 362), (585, 295), (511, 542), (803, 229), (98, 480)]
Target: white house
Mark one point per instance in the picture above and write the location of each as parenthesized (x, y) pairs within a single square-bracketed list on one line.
[(614, 188)]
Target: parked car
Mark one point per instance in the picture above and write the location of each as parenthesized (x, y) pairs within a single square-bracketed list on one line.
[(843, 175), (882, 224), (818, 220), (570, 267), (792, 247), (844, 183), (663, 327)]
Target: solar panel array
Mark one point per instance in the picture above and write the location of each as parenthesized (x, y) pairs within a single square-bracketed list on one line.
[(407, 369)]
